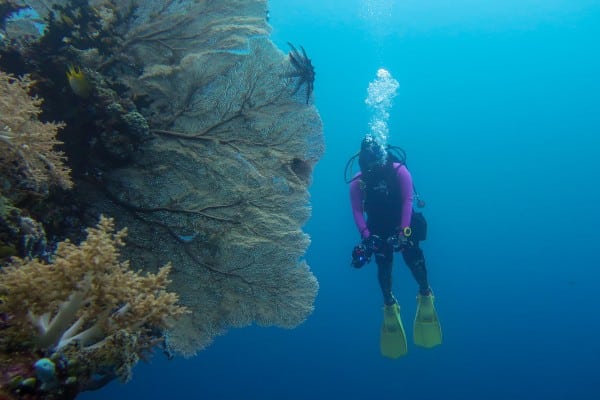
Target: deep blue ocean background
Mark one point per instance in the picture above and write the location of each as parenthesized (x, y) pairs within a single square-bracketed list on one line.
[(499, 112)]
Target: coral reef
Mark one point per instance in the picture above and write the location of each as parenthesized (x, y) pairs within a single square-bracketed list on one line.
[(240, 149), (31, 167), (26, 143), (87, 311), (191, 137)]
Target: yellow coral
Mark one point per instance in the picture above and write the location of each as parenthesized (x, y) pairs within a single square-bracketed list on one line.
[(24, 139), (86, 295)]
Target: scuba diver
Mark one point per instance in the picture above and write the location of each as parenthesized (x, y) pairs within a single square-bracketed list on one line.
[(383, 192)]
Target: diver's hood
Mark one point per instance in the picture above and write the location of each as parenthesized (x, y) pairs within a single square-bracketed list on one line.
[(372, 156)]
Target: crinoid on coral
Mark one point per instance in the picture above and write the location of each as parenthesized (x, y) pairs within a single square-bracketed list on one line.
[(303, 70)]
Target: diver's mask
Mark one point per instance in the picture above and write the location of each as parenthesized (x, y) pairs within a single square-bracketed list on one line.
[(372, 155)]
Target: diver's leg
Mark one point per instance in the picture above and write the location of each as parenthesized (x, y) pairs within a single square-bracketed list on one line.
[(415, 260), (384, 262)]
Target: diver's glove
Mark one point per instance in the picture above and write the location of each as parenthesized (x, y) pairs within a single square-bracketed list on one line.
[(361, 255), (401, 240), (374, 244)]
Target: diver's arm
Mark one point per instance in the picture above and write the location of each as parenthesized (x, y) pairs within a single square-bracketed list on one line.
[(406, 188), (357, 208)]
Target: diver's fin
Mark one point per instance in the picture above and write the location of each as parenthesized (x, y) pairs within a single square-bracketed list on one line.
[(427, 331), (393, 339)]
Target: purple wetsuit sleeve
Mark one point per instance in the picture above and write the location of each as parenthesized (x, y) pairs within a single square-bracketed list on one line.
[(357, 208), (406, 187)]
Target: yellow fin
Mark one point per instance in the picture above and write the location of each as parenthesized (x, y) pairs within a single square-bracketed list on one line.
[(427, 331), (393, 339)]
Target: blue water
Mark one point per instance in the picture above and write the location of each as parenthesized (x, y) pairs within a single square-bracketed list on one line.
[(499, 112)]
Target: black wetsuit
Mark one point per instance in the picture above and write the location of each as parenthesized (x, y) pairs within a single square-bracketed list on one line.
[(382, 200)]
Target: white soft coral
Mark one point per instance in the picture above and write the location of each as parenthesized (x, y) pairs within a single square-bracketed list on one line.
[(64, 328)]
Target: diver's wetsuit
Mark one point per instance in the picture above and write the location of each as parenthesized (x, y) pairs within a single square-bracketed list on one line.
[(387, 201)]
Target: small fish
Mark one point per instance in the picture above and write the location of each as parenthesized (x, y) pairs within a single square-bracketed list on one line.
[(79, 82)]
